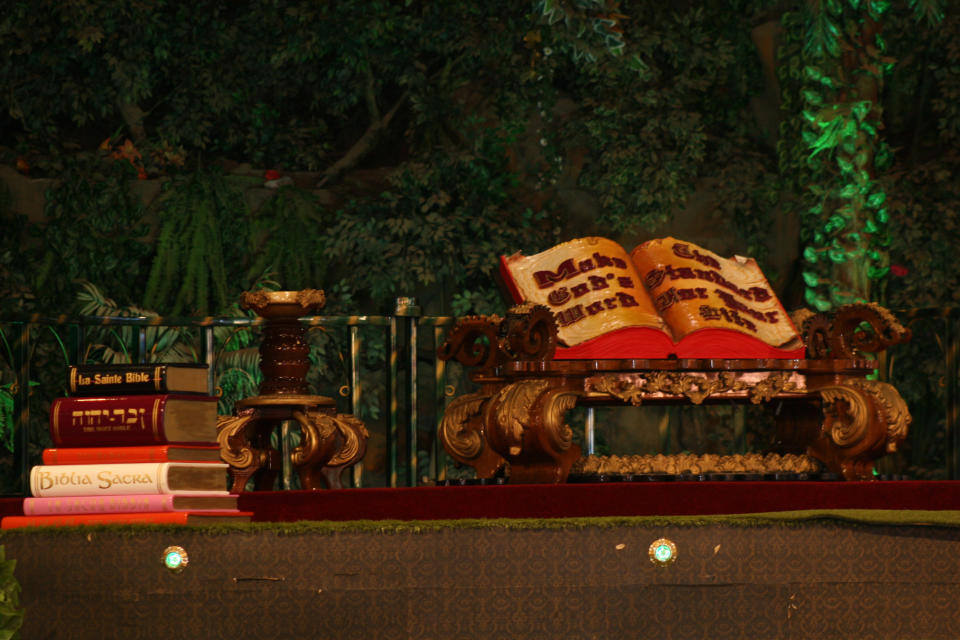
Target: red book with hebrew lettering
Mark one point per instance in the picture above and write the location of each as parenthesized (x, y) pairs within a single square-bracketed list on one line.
[(111, 421), (667, 298)]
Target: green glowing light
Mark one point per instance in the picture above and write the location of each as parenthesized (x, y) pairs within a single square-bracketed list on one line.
[(175, 558), (663, 553)]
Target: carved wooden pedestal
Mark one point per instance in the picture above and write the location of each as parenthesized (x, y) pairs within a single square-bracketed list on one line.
[(329, 443), (837, 415)]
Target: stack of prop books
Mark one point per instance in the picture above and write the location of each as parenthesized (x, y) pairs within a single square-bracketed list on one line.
[(132, 444)]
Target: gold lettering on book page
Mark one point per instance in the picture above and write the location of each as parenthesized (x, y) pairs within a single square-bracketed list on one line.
[(589, 284)]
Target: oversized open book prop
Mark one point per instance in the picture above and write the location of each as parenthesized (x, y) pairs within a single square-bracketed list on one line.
[(666, 298)]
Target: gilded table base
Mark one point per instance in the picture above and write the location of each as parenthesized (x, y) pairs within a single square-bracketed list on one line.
[(846, 424), (329, 442), (836, 415)]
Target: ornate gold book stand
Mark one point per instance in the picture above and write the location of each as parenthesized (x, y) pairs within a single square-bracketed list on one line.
[(329, 442), (517, 417)]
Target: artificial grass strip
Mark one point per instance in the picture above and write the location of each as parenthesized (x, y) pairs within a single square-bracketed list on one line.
[(878, 517), (898, 517)]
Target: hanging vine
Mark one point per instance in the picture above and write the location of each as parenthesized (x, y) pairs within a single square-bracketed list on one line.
[(833, 81), (837, 75)]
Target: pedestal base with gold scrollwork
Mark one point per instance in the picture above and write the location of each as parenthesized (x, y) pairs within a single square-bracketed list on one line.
[(517, 418), (329, 442)]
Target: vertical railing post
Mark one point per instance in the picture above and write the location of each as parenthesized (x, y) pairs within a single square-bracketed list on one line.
[(393, 387), (407, 308), (286, 468), (141, 344), (355, 391), (21, 437), (208, 354), (589, 432), (76, 342), (951, 340), (438, 462)]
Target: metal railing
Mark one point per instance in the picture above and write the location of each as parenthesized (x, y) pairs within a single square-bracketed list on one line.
[(949, 343), (410, 364), (405, 374)]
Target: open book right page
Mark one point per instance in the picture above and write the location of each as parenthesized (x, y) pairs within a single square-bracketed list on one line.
[(716, 307)]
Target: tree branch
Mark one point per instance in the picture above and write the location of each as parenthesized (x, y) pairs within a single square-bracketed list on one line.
[(371, 91), (363, 145)]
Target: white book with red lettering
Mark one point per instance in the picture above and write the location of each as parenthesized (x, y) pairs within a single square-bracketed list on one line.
[(128, 479)]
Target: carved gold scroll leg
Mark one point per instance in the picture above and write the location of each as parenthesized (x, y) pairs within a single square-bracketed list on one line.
[(319, 441), (508, 414), (525, 424), (557, 437), (462, 435), (863, 420), (355, 436), (237, 437)]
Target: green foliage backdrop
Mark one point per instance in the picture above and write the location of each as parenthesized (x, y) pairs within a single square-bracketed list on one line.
[(384, 148)]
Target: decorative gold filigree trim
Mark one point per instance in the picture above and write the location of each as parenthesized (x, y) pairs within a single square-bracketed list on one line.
[(462, 443), (229, 434), (558, 432), (472, 342), (850, 421), (513, 404), (696, 387), (770, 387), (893, 408), (865, 327), (354, 434), (528, 332), (696, 464), (315, 429), (306, 299)]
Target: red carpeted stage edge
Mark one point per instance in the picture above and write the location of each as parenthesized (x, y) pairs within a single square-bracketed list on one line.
[(588, 500), (597, 500)]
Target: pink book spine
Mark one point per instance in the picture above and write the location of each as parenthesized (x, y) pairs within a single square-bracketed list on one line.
[(102, 504)]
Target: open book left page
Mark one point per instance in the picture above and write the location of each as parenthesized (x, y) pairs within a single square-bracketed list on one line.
[(593, 288)]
